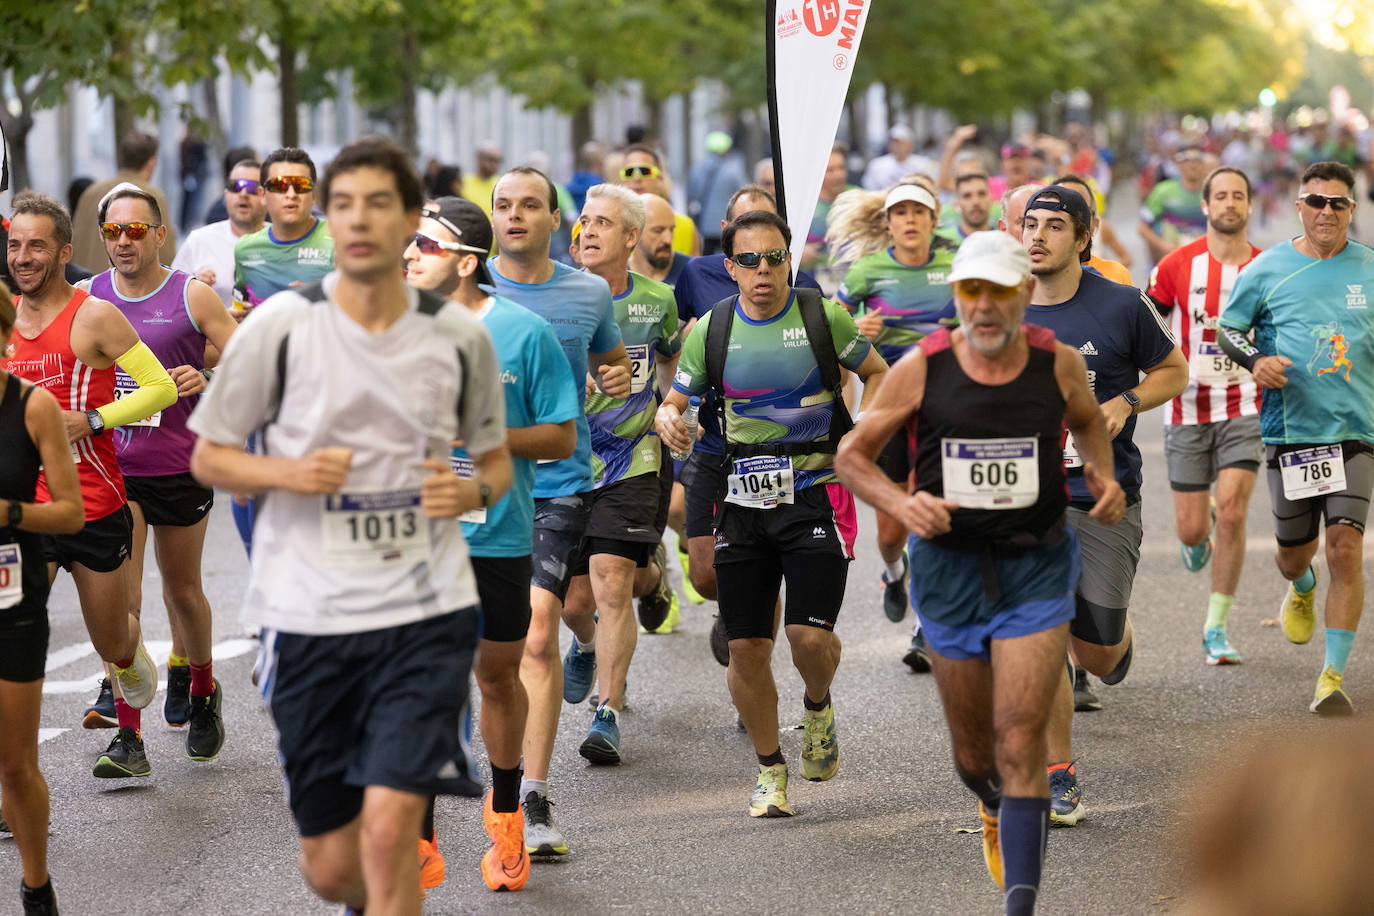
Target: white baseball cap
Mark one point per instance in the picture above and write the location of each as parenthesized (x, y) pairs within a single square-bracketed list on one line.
[(993, 256), (912, 192)]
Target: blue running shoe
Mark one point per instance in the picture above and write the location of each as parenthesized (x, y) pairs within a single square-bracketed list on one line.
[(579, 674), (602, 744), (1195, 558), (1219, 651), (1066, 798)]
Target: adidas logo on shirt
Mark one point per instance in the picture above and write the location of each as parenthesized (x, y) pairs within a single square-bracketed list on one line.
[(1088, 349)]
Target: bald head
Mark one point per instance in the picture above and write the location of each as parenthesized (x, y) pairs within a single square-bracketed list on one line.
[(1014, 209), (656, 241)]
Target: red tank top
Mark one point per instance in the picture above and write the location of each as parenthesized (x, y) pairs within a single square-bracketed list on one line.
[(48, 361)]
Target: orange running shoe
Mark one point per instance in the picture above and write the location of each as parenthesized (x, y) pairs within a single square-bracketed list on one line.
[(431, 865), (506, 866), (992, 848)]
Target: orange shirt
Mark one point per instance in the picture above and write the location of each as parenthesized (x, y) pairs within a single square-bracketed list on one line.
[(1112, 270)]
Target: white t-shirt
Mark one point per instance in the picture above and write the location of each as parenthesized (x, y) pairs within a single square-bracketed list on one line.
[(212, 246), (367, 558)]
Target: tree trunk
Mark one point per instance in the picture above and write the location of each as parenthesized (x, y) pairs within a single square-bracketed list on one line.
[(121, 54), (654, 122), (581, 127), (17, 129), (290, 92), (409, 128), (215, 134)]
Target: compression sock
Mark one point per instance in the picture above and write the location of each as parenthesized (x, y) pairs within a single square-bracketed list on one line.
[(1218, 609), (1022, 831), (505, 789), (127, 716), (812, 705), (202, 679), (894, 569), (771, 760), (1306, 582), (1338, 643), (177, 661), (528, 785)]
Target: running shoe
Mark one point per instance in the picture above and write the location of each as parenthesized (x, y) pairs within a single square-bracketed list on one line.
[(542, 836), (1084, 699), (720, 643), (894, 593), (176, 707), (101, 713), (917, 656), (602, 744), (138, 682), (1299, 612), (579, 674), (5, 825), (1330, 699), (654, 607), (124, 757), (1195, 558), (205, 736), (770, 793), (1218, 647), (674, 615), (431, 865), (506, 865), (820, 746), (38, 901), (692, 594), (1066, 799), (992, 849)]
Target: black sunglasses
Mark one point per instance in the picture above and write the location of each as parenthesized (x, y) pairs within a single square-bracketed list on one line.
[(1319, 202), (750, 259)]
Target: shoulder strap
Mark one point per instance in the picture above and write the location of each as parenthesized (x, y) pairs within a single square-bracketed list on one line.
[(717, 343), (314, 294), (823, 349)]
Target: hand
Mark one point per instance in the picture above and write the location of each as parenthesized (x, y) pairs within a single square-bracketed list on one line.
[(962, 134), (591, 386), (614, 381), (1115, 413), (1111, 499), (443, 494), (206, 276), (322, 471), (188, 380), (926, 515), (78, 426), (1271, 371), (670, 428), (871, 323)]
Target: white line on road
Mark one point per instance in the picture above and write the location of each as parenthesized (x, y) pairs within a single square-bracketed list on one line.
[(47, 734), (229, 648)]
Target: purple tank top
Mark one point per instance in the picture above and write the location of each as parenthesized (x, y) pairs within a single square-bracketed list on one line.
[(161, 444)]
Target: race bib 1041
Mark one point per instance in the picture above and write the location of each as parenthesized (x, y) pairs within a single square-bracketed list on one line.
[(760, 483)]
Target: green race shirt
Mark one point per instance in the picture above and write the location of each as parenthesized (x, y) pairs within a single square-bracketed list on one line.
[(264, 266)]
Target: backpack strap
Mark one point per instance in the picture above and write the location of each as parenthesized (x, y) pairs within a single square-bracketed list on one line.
[(823, 349), (717, 342)]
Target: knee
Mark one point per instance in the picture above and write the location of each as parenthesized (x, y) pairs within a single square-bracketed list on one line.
[(1291, 563), (16, 771), (750, 655), (1020, 748), (499, 685), (182, 596), (808, 642), (1192, 533), (327, 877), (1231, 513), (1344, 548)]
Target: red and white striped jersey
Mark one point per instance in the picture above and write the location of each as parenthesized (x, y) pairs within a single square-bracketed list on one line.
[(1194, 287)]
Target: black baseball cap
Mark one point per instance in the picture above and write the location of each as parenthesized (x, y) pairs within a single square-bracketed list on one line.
[(1061, 198), (469, 225)]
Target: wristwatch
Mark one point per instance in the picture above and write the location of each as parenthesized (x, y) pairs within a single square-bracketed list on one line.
[(1130, 397), (16, 513), (97, 422), (485, 492)]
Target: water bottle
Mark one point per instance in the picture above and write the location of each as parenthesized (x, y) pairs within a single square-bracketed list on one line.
[(689, 419)]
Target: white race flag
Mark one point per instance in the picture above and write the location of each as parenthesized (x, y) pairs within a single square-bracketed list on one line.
[(812, 45)]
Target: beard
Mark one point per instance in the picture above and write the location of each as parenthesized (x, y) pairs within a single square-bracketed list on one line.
[(658, 261), (44, 279)]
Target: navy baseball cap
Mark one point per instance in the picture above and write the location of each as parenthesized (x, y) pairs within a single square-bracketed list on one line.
[(1060, 198)]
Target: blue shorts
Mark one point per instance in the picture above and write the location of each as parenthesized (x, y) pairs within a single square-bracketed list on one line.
[(957, 619)]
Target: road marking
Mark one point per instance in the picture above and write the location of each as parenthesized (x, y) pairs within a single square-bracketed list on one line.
[(47, 734), (221, 651)]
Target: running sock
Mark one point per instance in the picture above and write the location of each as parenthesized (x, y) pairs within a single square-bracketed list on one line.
[(1338, 643), (1218, 609), (1306, 582), (177, 661), (894, 569), (586, 648), (202, 679), (1022, 831), (36, 895), (427, 825), (128, 716), (615, 712), (812, 704), (505, 789), (773, 759), (528, 785)]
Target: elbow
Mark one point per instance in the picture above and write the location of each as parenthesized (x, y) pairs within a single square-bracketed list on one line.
[(846, 461), (166, 392), (567, 442), (202, 464)]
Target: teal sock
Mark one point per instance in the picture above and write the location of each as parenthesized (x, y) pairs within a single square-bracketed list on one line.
[(1218, 609), (1338, 643), (1306, 582)]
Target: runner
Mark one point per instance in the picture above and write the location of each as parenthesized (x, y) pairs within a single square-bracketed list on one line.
[(654, 256), (972, 207), (994, 565), (1212, 430), (69, 343), (1306, 302), (1112, 270), (643, 172), (1172, 215), (781, 515), (208, 252), (353, 383), (1014, 209)]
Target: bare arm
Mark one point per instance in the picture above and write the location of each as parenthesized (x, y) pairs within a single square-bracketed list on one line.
[(1114, 242), (216, 324), (230, 468), (665, 367), (443, 494), (871, 372), (668, 422), (1158, 247), (64, 513), (1163, 381), (543, 440)]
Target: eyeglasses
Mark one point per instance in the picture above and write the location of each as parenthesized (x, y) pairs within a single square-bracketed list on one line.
[(1190, 156), (243, 186), (973, 288), (1319, 202), (429, 245), (640, 171), (279, 184), (750, 259), (135, 231)]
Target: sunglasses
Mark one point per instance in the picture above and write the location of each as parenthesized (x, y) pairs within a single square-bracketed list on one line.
[(1189, 157), (135, 231), (242, 186), (1319, 202), (428, 245), (751, 259), (640, 171), (974, 288), (278, 185)]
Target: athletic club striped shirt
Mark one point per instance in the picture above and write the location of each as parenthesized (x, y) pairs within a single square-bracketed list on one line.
[(1194, 287)]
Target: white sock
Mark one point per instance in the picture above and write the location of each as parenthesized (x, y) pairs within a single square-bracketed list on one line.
[(584, 647), (894, 569), (534, 785), (612, 709)]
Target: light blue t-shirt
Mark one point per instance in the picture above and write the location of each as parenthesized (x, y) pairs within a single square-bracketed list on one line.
[(1316, 312), (578, 305), (539, 388)]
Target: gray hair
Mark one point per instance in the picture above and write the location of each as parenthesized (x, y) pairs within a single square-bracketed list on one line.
[(631, 207), (1009, 193)]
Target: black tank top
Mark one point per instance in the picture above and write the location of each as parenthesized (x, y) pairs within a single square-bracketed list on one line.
[(982, 431), (19, 463)]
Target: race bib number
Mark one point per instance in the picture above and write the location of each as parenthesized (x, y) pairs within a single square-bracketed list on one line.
[(1211, 366), (640, 366), (991, 473), (760, 483), (374, 528), (1312, 472), (464, 468), (11, 578), (1071, 457), (124, 386)]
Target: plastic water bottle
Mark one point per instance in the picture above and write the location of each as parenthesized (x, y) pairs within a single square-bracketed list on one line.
[(689, 419)]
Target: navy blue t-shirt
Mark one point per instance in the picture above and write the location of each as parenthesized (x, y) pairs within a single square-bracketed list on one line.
[(680, 262), (1120, 334)]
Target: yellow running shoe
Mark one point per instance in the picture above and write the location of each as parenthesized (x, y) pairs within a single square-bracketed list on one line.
[(1330, 699), (770, 793), (992, 849), (692, 594), (1299, 612), (820, 746), (674, 616)]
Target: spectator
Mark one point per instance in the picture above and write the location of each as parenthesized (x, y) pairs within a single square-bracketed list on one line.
[(136, 161)]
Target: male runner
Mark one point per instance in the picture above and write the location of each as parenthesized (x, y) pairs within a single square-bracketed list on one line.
[(654, 256), (208, 252), (69, 342), (973, 206), (1014, 209), (361, 582), (1212, 430), (780, 513), (1307, 302), (1171, 215), (578, 305), (993, 564)]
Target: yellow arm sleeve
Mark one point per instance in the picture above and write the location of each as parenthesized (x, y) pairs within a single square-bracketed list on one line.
[(156, 389)]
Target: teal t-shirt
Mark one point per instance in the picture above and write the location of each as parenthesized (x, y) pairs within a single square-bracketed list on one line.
[(539, 388), (914, 301), (624, 443), (264, 266), (773, 389), (1317, 313)]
